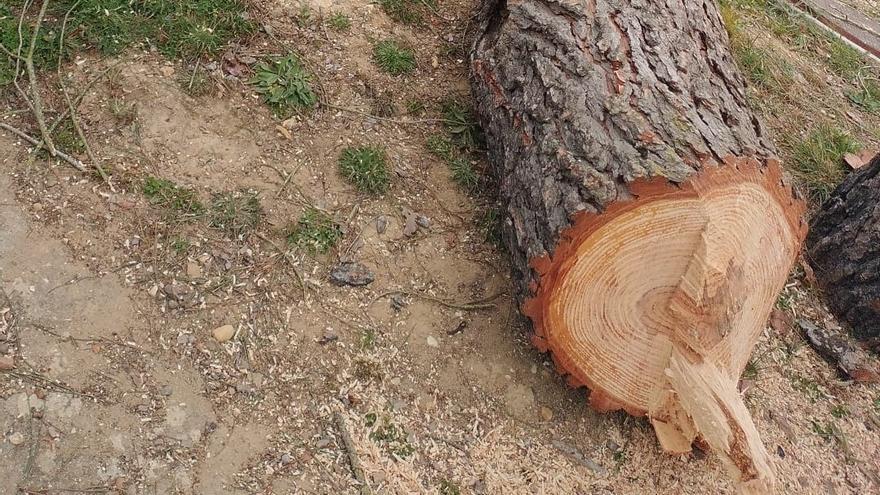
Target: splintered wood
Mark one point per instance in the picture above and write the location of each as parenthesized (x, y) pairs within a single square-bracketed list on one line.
[(657, 303)]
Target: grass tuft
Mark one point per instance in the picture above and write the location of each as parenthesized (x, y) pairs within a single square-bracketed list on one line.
[(818, 160), (844, 60), (366, 168), (178, 29), (285, 85), (403, 11), (315, 231), (166, 194), (236, 212), (339, 22), (394, 58)]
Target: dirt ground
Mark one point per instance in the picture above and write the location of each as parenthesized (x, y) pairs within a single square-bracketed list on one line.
[(120, 385)]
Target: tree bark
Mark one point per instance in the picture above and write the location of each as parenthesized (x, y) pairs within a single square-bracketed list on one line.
[(648, 221), (844, 250)]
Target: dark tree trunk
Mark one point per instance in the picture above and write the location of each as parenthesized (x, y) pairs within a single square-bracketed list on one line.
[(844, 250), (579, 99), (648, 222)]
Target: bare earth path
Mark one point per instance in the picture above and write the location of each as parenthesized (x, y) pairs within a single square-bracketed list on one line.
[(108, 303)]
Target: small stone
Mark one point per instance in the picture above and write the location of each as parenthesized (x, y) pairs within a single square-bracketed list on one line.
[(546, 413), (432, 342), (177, 292), (780, 451), (381, 224), (397, 302), (435, 62), (327, 338), (351, 273), (410, 226), (16, 438), (423, 221), (286, 458), (153, 290), (7, 363), (166, 390), (246, 388), (167, 70), (193, 269), (224, 333)]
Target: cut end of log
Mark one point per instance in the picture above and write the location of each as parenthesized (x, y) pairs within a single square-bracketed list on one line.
[(682, 273), (696, 265)]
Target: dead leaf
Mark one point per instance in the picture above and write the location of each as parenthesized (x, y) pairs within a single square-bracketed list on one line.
[(7, 363), (780, 321), (864, 375), (809, 274), (284, 132)]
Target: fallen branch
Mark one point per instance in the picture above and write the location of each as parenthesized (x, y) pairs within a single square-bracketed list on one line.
[(70, 107), (485, 303), (36, 142), (353, 459), (37, 102)]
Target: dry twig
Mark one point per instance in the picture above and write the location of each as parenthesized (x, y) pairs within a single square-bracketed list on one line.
[(353, 459)]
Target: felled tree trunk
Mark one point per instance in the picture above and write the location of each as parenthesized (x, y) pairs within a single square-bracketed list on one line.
[(844, 250), (649, 225)]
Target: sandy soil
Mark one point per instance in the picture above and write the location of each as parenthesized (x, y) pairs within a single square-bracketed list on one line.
[(120, 386)]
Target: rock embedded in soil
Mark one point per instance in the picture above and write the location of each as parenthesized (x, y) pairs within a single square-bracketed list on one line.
[(410, 226), (432, 342), (423, 221), (16, 438), (351, 273), (224, 333), (381, 224), (7, 363)]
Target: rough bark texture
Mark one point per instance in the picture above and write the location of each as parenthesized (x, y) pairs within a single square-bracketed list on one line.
[(844, 250), (579, 99)]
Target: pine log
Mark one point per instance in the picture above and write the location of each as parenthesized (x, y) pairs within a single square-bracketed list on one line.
[(648, 221), (843, 249)]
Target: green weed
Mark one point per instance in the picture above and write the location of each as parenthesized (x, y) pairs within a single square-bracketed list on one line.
[(366, 168), (285, 85), (394, 58), (392, 437), (315, 231), (339, 22), (461, 124), (180, 245), (866, 95)]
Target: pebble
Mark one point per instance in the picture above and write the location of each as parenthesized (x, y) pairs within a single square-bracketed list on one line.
[(224, 333), (423, 221), (546, 413), (381, 224), (410, 226), (285, 458), (7, 363), (16, 438), (432, 342), (351, 273)]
